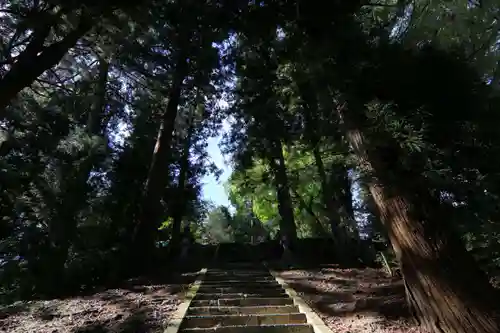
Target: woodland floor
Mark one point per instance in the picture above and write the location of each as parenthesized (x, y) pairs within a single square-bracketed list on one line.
[(348, 300), (353, 300), (140, 305)]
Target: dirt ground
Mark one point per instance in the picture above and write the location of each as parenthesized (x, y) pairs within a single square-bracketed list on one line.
[(138, 306), (354, 300), (348, 300)]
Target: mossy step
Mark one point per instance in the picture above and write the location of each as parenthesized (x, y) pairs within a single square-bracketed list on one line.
[(235, 310), (243, 301), (295, 328), (238, 320)]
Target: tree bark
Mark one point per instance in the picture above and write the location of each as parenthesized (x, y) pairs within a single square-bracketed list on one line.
[(448, 291), (334, 217), (36, 59), (287, 222), (151, 212), (342, 200), (95, 121), (180, 206)]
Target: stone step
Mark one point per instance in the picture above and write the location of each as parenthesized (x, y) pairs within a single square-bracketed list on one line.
[(255, 289), (228, 266), (234, 310), (245, 277), (237, 320), (243, 301), (241, 282), (238, 270), (237, 279), (294, 328), (265, 293), (238, 282)]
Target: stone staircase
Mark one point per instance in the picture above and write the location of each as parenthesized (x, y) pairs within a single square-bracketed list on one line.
[(241, 296)]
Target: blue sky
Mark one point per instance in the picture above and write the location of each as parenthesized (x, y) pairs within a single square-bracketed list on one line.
[(212, 189)]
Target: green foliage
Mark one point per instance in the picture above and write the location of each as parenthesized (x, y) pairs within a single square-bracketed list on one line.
[(242, 226), (77, 141)]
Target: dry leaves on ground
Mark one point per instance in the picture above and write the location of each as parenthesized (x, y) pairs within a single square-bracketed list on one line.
[(354, 300), (135, 308)]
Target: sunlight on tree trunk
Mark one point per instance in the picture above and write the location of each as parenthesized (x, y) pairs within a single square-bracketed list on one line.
[(180, 207), (287, 222), (448, 291), (155, 183)]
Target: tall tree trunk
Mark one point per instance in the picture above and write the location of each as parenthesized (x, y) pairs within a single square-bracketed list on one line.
[(95, 124), (447, 289), (151, 212), (180, 206), (36, 59), (334, 217), (327, 194), (339, 180), (287, 223), (377, 239)]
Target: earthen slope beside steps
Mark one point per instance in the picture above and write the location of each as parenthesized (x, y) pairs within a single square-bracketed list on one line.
[(242, 299)]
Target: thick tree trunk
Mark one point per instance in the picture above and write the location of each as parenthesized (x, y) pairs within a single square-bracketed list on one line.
[(151, 212), (448, 291), (36, 59), (180, 206), (285, 207)]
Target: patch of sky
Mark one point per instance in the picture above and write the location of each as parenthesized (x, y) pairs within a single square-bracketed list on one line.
[(213, 187)]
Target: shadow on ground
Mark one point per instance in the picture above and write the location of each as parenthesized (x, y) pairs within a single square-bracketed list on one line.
[(347, 292), (139, 304), (13, 309), (139, 321)]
